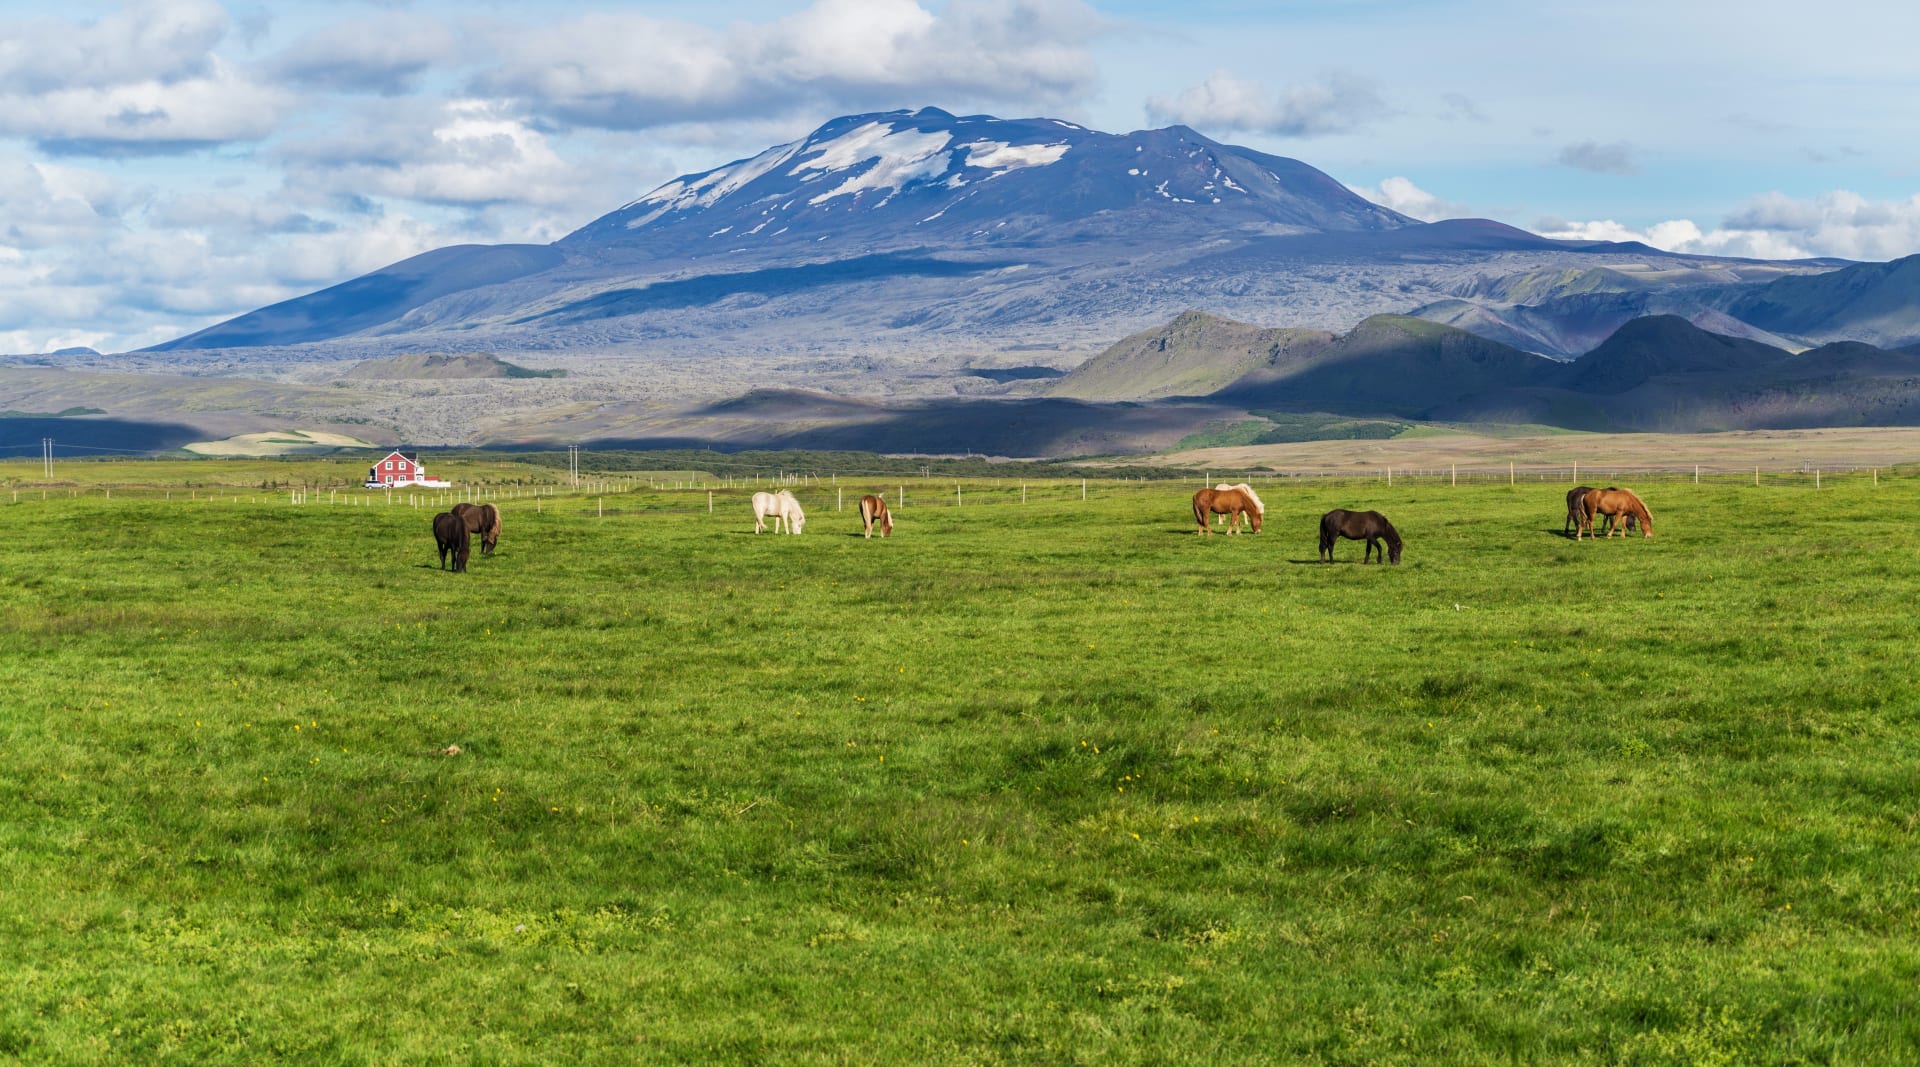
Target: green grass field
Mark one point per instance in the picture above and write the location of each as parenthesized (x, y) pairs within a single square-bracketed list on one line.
[(1041, 783)]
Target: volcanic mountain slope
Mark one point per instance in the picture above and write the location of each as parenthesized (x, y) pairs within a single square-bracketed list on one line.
[(1878, 303), (925, 233), (1655, 373), (1785, 305), (1387, 365)]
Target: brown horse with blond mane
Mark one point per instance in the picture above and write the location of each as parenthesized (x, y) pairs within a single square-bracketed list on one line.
[(1619, 503), (873, 509), (1233, 503)]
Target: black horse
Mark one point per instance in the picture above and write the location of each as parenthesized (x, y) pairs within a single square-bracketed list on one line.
[(450, 531), (1369, 526)]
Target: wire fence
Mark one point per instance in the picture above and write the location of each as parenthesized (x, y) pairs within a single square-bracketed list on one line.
[(688, 491)]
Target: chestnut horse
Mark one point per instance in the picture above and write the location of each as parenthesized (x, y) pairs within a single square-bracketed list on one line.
[(1577, 499), (450, 533), (1369, 526), (874, 509), (1259, 508), (483, 519), (1617, 503), (1229, 502)]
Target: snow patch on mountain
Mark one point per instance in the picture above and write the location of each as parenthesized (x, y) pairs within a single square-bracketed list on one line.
[(704, 189), (1002, 157), (899, 157)]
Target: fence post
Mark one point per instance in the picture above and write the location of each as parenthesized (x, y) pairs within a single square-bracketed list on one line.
[(1454, 472), (1509, 472), (1816, 477), (903, 495), (956, 495), (709, 501), (1756, 476), (836, 498), (1023, 490), (1389, 477), (1696, 474), (1083, 489)]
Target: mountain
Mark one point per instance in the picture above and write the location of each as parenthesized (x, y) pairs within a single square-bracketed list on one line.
[(1658, 373), (1194, 354), (1878, 303), (912, 233), (1657, 345), (1389, 365)]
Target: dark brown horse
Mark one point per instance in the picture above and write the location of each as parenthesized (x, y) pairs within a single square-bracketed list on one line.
[(873, 509), (1233, 503), (483, 519), (1369, 526), (1614, 503), (1576, 501), (450, 532)]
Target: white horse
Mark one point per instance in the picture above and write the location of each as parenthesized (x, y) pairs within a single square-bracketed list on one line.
[(1258, 505), (783, 506)]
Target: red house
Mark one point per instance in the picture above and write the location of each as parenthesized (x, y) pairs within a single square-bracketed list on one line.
[(398, 469)]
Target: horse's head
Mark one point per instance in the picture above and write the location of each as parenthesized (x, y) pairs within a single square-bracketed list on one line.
[(1393, 544)]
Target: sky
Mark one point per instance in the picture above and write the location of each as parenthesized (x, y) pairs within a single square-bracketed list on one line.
[(167, 164)]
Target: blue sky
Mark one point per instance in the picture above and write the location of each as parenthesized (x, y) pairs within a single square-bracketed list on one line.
[(166, 165)]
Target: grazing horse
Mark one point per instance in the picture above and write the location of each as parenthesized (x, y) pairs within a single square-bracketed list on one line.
[(783, 506), (483, 519), (1576, 503), (1369, 526), (1229, 502), (1615, 503), (874, 509), (1259, 508), (450, 532)]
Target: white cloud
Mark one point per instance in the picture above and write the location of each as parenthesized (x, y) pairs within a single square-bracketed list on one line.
[(1840, 224), (1615, 158), (1337, 103), (838, 54), (459, 152), (386, 55), (163, 41), (142, 80), (1400, 194)]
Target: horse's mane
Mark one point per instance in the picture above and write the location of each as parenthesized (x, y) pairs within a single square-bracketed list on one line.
[(1258, 504)]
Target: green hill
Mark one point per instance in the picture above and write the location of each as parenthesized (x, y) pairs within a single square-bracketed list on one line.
[(1193, 355)]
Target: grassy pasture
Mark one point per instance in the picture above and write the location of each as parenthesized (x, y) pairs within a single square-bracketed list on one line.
[(1053, 782)]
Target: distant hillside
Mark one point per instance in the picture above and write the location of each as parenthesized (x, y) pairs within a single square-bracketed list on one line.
[(1878, 303), (442, 365), (1658, 372), (1193, 355), (1658, 345), (1389, 365)]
